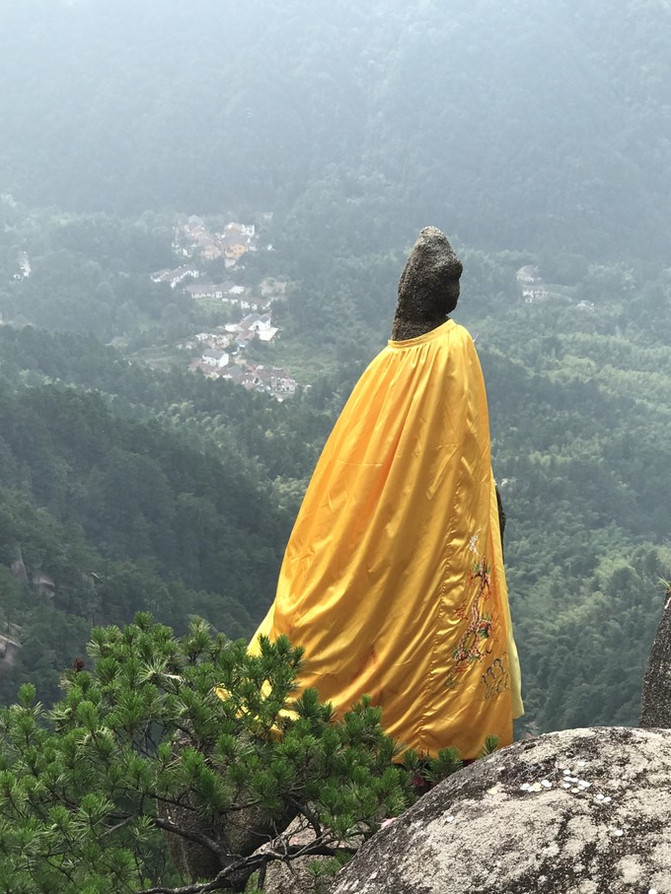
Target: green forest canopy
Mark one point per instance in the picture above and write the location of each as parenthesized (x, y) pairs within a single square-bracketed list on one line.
[(531, 136), (543, 127)]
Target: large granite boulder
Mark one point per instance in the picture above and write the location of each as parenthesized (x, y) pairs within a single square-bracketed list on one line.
[(578, 812), (655, 700)]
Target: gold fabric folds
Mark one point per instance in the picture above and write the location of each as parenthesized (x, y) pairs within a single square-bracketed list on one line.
[(393, 578)]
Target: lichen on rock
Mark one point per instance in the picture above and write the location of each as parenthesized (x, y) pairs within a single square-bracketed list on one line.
[(576, 812)]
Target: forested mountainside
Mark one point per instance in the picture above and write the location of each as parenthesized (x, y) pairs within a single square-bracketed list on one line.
[(544, 127), (579, 420), (163, 492), (537, 138), (172, 492), (102, 517)]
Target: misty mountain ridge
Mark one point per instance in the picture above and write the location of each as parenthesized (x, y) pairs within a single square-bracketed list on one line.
[(544, 128)]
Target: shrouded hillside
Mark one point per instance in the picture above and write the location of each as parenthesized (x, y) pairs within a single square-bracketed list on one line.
[(141, 494), (524, 126), (579, 398), (579, 401), (54, 585), (101, 516), (536, 135), (167, 493)]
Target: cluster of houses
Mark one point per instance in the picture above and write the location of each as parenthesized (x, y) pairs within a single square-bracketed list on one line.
[(534, 289), (176, 277), (227, 292), (194, 238), (196, 243), (532, 285), (222, 356), (252, 326), (216, 363), (267, 379), (24, 266), (237, 336), (222, 353)]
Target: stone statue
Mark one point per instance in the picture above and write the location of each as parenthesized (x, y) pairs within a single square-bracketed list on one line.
[(394, 546), (393, 578), (429, 286)]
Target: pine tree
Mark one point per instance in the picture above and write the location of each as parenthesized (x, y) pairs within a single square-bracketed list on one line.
[(142, 752)]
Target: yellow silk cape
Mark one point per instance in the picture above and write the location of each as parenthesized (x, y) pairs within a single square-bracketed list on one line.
[(393, 577)]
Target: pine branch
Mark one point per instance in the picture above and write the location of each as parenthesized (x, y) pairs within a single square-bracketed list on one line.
[(311, 817), (245, 866), (196, 837)]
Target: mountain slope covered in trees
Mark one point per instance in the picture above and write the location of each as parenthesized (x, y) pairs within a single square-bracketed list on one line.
[(545, 127), (183, 490), (531, 136)]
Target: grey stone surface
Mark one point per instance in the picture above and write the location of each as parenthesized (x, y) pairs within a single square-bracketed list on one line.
[(297, 876), (578, 812), (429, 286), (656, 696)]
